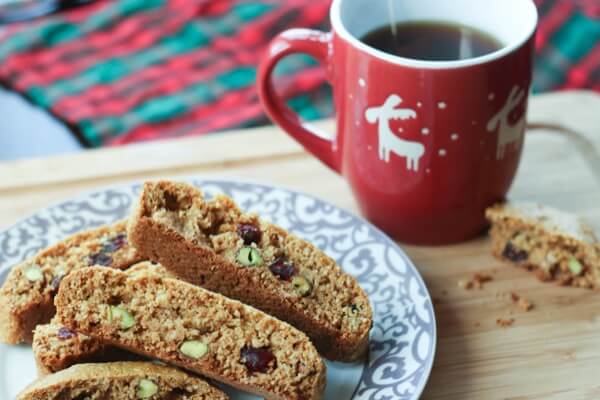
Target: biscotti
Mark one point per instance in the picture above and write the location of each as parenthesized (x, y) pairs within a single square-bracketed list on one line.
[(120, 381), (555, 245), (193, 328), (26, 297), (56, 347), (215, 245)]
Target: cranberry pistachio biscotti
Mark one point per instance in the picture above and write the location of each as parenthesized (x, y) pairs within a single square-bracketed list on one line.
[(121, 381), (193, 328), (56, 347), (555, 245), (26, 297), (213, 244)]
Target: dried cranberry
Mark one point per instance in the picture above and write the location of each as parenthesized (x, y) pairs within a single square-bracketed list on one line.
[(115, 243), (514, 254), (65, 333), (249, 233), (283, 268), (258, 360), (102, 259), (171, 202)]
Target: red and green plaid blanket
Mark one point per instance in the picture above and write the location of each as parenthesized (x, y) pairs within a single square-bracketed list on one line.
[(131, 70)]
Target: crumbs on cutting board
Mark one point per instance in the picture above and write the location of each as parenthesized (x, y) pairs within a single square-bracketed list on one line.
[(505, 322), (522, 302), (477, 281)]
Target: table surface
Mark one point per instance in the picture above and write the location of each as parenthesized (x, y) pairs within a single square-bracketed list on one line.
[(551, 352)]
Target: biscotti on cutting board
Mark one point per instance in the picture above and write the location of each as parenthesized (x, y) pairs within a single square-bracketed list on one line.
[(214, 244), (555, 245), (120, 381), (193, 328), (56, 347), (26, 297)]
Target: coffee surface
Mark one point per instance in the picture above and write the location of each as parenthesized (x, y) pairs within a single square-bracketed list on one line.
[(432, 41)]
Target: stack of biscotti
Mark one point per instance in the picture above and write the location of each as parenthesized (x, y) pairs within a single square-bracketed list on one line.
[(26, 297), (555, 245), (213, 244), (161, 309)]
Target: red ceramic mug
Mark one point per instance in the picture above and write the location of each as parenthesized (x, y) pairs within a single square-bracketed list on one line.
[(425, 145)]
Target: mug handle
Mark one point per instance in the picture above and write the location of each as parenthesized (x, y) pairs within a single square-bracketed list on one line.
[(318, 45)]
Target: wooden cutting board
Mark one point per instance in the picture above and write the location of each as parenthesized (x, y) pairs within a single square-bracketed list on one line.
[(551, 352)]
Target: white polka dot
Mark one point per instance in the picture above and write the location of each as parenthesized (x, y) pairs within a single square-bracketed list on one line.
[(369, 147), (350, 96), (425, 131), (428, 170), (419, 104), (441, 105), (491, 96), (361, 82), (454, 136), (400, 130), (442, 152), (473, 123)]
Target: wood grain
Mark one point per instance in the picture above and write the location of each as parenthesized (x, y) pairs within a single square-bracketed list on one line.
[(550, 353)]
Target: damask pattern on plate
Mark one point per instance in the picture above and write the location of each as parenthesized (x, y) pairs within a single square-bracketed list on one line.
[(402, 342)]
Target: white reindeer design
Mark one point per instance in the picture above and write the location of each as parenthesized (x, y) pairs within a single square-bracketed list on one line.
[(508, 133), (388, 142)]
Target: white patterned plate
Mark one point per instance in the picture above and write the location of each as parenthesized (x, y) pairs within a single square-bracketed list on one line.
[(403, 337)]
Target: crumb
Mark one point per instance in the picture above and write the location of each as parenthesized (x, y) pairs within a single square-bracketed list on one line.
[(525, 305), (514, 297), (480, 279), (445, 292), (477, 324), (505, 323), (465, 284), (476, 281)]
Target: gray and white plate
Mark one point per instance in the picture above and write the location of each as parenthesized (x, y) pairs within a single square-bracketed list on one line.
[(403, 338)]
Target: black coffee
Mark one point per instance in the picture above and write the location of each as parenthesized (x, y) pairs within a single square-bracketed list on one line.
[(432, 41)]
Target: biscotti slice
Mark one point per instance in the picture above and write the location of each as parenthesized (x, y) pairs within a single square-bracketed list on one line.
[(193, 328), (56, 347), (120, 381), (557, 246), (215, 245), (26, 297)]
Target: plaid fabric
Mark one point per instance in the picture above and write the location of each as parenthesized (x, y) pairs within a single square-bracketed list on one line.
[(131, 70), (568, 45)]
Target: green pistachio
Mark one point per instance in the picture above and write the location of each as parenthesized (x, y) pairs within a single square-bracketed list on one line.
[(146, 389), (301, 285), (249, 257), (126, 319), (33, 273), (194, 349), (575, 267)]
